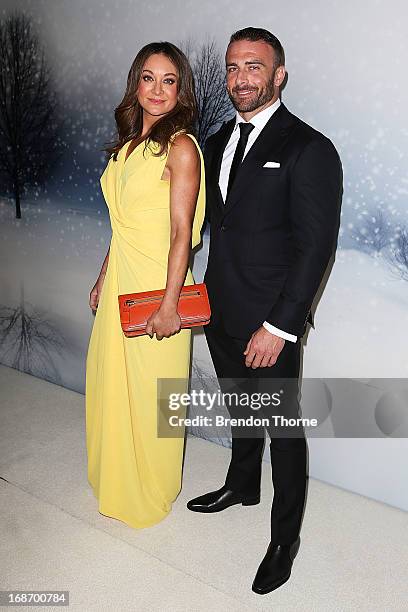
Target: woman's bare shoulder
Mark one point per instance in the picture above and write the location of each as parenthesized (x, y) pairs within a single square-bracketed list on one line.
[(184, 149)]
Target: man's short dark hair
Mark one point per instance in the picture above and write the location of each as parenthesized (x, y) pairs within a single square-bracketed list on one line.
[(256, 34)]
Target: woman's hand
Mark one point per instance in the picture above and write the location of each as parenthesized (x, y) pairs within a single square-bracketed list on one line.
[(164, 322), (96, 292)]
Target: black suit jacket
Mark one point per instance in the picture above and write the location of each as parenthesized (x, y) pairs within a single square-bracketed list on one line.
[(271, 242)]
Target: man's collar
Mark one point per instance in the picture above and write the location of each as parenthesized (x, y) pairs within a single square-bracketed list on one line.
[(260, 119)]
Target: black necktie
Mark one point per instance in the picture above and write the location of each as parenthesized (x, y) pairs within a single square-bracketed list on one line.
[(245, 129)]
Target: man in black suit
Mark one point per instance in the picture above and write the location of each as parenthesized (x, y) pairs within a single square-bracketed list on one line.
[(274, 187)]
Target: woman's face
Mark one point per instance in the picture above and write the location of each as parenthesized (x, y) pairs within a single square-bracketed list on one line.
[(157, 91)]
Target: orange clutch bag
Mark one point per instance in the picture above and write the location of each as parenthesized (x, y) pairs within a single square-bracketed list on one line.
[(135, 308)]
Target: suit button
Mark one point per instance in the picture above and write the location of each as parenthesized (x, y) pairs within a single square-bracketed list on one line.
[(223, 228)]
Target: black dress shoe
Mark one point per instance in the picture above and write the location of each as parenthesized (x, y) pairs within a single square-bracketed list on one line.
[(215, 501), (275, 567)]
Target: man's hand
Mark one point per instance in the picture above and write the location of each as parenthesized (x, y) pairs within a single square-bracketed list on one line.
[(263, 349)]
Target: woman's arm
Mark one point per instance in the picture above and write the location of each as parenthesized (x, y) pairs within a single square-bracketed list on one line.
[(184, 165), (97, 288), (105, 264)]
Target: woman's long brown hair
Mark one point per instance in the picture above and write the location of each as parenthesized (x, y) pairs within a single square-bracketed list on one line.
[(129, 113)]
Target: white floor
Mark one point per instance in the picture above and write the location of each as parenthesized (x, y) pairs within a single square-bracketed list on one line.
[(353, 555)]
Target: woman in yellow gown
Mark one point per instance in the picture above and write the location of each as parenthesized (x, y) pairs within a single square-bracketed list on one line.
[(154, 189)]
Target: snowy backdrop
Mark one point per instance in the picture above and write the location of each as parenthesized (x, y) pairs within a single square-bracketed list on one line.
[(345, 62)]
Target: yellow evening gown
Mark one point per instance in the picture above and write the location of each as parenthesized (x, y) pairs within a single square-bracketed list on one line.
[(135, 475)]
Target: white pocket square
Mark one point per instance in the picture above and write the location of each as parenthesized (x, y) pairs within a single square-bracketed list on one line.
[(272, 165)]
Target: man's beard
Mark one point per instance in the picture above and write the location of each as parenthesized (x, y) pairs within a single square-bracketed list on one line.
[(254, 102)]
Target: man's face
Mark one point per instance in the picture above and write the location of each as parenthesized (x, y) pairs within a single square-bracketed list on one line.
[(252, 81)]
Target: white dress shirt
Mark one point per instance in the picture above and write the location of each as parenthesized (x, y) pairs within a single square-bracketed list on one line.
[(259, 121)]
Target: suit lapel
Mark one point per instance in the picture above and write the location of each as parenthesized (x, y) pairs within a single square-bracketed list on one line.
[(267, 147)]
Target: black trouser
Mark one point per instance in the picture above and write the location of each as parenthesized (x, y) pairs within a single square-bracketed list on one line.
[(288, 454)]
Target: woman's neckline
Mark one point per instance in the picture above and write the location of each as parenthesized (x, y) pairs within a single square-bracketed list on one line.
[(133, 150), (127, 145)]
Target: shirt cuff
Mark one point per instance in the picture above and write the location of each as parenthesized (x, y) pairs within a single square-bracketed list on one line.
[(279, 332)]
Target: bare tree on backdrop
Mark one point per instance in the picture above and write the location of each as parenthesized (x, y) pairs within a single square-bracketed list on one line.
[(400, 253), (374, 234), (29, 143), (30, 341), (214, 105)]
